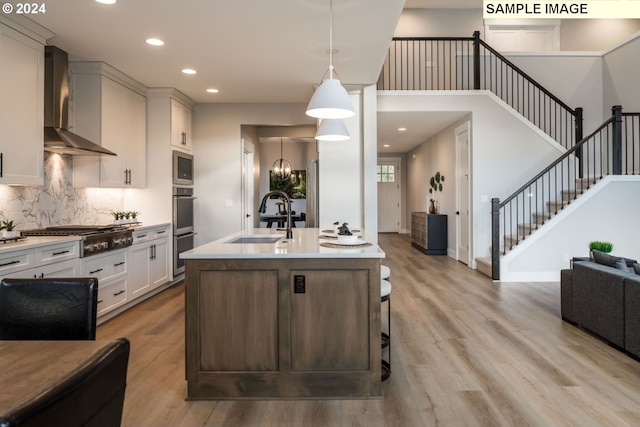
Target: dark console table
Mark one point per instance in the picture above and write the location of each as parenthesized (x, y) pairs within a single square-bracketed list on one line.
[(429, 233)]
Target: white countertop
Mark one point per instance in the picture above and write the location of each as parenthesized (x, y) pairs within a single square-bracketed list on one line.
[(305, 244), (31, 242)]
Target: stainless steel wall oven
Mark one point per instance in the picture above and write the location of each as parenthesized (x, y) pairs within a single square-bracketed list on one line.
[(183, 225)]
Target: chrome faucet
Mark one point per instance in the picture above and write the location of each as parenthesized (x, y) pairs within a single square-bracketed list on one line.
[(282, 194)]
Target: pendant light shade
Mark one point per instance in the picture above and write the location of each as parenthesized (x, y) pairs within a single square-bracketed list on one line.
[(281, 167), (330, 100), (332, 130)]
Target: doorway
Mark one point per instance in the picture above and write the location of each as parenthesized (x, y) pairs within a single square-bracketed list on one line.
[(248, 221), (463, 226), (389, 189)]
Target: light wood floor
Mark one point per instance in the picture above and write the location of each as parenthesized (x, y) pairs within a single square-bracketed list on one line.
[(466, 352)]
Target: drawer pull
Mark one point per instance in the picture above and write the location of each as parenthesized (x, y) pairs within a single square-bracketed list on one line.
[(10, 263), (119, 264), (100, 301), (142, 236), (60, 253), (95, 271), (118, 293)]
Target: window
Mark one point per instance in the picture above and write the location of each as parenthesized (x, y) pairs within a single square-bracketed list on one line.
[(386, 173)]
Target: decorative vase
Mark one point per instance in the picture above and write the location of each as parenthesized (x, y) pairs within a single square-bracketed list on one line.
[(9, 234), (432, 207)]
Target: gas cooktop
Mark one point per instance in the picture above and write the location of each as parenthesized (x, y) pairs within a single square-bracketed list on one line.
[(72, 230)]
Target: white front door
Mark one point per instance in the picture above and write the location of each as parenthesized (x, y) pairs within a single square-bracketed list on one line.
[(462, 199), (389, 185), (247, 186)]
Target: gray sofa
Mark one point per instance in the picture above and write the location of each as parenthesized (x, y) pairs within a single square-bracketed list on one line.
[(604, 300)]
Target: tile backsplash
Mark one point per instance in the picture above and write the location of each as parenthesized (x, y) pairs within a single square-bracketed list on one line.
[(57, 202)]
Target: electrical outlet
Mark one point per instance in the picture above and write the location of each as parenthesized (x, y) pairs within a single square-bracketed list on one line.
[(299, 284)]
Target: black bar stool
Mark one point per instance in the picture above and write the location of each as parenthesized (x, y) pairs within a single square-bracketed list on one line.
[(385, 295)]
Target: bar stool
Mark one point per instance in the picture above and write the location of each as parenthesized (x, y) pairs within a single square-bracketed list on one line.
[(385, 295), (385, 272)]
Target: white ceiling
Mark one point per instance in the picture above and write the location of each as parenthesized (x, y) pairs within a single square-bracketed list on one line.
[(252, 51)]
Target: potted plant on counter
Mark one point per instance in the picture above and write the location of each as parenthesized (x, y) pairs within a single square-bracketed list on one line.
[(7, 228)]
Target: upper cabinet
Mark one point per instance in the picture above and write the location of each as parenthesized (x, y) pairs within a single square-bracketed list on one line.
[(180, 125), (108, 108), (21, 108)]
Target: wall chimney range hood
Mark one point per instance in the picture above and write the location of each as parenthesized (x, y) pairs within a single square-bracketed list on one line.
[(57, 137)]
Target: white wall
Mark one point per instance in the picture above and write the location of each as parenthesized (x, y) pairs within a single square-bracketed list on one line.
[(575, 34), (506, 151), (621, 69), (608, 212), (575, 78), (218, 157), (347, 169)]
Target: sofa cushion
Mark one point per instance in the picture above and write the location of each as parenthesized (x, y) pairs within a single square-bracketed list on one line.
[(610, 260)]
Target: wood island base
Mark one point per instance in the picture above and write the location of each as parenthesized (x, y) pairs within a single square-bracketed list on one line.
[(291, 328)]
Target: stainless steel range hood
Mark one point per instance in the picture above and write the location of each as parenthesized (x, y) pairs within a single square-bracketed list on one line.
[(57, 137)]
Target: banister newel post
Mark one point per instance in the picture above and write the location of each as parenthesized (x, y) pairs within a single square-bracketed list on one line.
[(476, 60), (616, 148), (578, 130), (495, 238)]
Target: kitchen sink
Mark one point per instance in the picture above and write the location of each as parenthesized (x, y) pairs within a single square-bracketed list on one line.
[(256, 238)]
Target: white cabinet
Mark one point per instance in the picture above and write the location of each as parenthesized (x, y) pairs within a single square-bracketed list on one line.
[(69, 268), (110, 109), (52, 260), (180, 125), (21, 109), (111, 270), (149, 260)]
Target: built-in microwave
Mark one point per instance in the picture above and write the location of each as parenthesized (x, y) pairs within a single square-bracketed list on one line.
[(182, 168)]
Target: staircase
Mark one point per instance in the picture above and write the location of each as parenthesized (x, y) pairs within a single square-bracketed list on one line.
[(468, 63)]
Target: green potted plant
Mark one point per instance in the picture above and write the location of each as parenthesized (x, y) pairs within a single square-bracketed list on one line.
[(8, 229), (599, 245), (134, 216), (436, 186)]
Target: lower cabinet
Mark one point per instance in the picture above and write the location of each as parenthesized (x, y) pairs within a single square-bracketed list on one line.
[(69, 268), (111, 270), (111, 294), (149, 260)]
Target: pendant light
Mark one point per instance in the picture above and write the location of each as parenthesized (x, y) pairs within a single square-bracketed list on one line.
[(332, 130), (330, 100), (281, 167)]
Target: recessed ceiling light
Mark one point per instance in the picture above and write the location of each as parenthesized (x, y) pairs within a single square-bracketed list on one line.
[(189, 71), (155, 42), (106, 1), (402, 129), (212, 90), (386, 146)]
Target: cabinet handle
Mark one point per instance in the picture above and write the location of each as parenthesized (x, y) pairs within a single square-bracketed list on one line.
[(10, 263), (142, 236), (95, 271), (60, 253), (152, 250), (100, 301), (184, 138), (1, 165), (118, 293), (129, 177), (162, 232), (119, 264)]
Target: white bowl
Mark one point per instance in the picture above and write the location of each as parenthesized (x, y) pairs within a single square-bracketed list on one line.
[(346, 239)]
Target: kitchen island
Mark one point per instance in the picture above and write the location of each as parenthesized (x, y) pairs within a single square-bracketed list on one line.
[(269, 317)]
